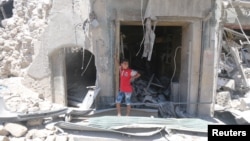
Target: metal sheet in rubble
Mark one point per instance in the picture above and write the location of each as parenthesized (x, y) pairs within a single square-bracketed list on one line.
[(146, 130), (187, 124), (137, 126)]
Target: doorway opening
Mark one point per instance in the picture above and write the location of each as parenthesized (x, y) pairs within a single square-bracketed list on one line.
[(80, 74), (154, 85)]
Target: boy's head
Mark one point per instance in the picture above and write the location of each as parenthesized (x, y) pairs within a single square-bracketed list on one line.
[(124, 63)]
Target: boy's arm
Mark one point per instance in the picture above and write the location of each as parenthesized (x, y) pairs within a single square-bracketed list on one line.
[(135, 76)]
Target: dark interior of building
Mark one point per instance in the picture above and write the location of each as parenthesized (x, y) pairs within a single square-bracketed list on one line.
[(81, 73), (6, 10), (157, 73)]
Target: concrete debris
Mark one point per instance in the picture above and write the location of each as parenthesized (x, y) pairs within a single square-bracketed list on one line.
[(150, 91), (50, 126), (223, 98), (3, 131), (21, 31), (154, 93), (35, 122), (15, 129), (6, 115), (241, 117), (19, 132), (233, 77), (19, 103), (244, 104), (225, 84)]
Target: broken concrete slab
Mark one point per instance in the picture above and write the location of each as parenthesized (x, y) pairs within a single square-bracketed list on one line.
[(244, 104), (225, 83), (218, 107), (223, 98), (241, 117)]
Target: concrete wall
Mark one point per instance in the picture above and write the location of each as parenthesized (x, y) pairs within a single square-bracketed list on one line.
[(178, 8), (212, 38), (190, 67), (59, 33), (191, 20), (103, 41)]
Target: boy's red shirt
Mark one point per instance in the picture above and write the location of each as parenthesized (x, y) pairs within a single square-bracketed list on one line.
[(125, 77)]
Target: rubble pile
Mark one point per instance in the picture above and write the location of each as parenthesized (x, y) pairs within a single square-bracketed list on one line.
[(20, 33), (233, 85), (155, 94), (20, 99), (38, 131), (150, 91)]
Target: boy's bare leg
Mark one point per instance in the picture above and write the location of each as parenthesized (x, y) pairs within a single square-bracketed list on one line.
[(118, 108), (128, 109)]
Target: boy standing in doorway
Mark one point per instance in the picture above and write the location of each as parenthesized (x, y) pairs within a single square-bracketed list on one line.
[(127, 76)]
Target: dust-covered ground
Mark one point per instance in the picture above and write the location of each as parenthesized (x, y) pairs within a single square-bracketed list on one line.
[(21, 99)]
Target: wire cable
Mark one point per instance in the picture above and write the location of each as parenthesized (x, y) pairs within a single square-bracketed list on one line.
[(175, 63), (87, 65), (142, 22)]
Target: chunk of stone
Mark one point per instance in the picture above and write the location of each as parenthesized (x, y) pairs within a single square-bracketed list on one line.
[(35, 133), (223, 98), (3, 132), (34, 122), (244, 104), (15, 129), (50, 126)]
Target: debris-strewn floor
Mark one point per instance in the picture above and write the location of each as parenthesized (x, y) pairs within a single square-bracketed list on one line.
[(21, 99)]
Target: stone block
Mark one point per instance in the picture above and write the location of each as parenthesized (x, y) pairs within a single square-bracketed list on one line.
[(3, 132), (15, 129), (223, 98)]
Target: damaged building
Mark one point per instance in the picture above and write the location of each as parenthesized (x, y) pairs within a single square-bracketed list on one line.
[(174, 44)]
